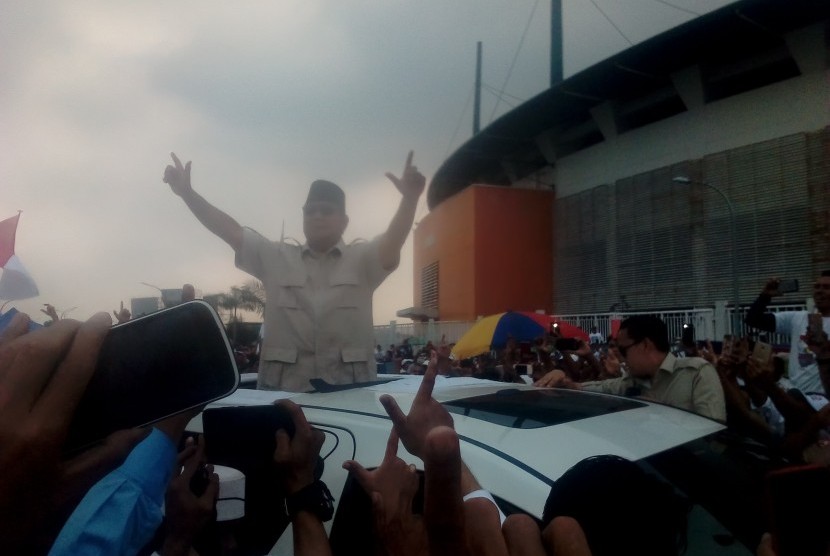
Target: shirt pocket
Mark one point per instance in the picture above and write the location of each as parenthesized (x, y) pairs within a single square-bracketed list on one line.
[(346, 283), (290, 285), (354, 355), (281, 354)]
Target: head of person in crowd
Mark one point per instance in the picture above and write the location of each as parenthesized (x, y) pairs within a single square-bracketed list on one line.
[(188, 293), (324, 216), (821, 293), (643, 342), (621, 508)]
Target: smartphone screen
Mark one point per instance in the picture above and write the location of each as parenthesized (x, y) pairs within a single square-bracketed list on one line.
[(788, 286), (761, 352), (154, 367), (797, 517), (567, 344)]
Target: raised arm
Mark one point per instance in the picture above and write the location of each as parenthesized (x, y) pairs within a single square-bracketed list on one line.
[(757, 317), (177, 177), (411, 184)]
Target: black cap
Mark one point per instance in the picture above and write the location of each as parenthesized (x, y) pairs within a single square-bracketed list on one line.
[(322, 190)]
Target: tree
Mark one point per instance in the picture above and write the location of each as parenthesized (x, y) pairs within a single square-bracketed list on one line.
[(248, 297)]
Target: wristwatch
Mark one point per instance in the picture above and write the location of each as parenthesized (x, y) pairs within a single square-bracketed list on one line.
[(314, 498)]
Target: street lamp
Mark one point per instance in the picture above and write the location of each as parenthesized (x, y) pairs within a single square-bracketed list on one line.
[(733, 242)]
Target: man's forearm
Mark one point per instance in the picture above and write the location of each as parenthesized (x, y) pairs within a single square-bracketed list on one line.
[(214, 219), (397, 232), (309, 536)]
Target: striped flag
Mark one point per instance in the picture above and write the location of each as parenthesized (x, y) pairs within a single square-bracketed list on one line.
[(16, 283)]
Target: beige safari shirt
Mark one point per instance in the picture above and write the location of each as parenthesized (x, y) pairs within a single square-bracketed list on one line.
[(318, 311), (688, 383)]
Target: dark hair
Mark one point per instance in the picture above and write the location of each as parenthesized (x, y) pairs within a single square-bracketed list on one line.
[(621, 508), (640, 327), (825, 273)]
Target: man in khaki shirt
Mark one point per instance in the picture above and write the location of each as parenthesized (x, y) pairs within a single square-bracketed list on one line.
[(318, 315), (689, 383)]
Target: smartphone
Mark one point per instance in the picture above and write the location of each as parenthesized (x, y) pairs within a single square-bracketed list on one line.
[(522, 369), (797, 523), (788, 286), (761, 352), (726, 345), (154, 367), (567, 344), (815, 328)]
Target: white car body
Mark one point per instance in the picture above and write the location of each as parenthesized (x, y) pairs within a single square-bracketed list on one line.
[(517, 465)]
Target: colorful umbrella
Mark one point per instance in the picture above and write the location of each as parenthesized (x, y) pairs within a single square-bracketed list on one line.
[(492, 332)]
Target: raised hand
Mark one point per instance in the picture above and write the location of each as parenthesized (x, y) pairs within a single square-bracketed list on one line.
[(43, 375), (553, 379), (297, 456), (771, 287), (122, 315), (708, 353), (178, 176), (424, 415), (392, 487), (411, 183), (50, 312), (188, 513)]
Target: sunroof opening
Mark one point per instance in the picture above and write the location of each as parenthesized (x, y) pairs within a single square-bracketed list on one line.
[(531, 409)]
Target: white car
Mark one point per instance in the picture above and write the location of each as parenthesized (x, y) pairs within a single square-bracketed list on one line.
[(518, 440)]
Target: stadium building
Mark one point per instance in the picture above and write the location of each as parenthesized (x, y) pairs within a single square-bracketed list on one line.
[(623, 186)]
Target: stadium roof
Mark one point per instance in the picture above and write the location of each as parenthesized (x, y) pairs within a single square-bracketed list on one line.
[(739, 47)]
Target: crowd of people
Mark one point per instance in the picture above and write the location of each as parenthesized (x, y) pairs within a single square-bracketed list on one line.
[(108, 500)]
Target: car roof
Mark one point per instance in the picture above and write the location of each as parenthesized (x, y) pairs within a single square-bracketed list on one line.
[(592, 423)]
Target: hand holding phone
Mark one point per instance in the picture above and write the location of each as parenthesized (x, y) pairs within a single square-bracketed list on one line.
[(761, 352), (726, 345), (788, 286), (154, 367), (815, 329), (567, 344)]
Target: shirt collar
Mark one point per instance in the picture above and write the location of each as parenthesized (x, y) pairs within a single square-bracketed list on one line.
[(337, 250), (668, 363)]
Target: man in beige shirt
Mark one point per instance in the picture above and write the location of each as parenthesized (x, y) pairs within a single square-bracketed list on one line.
[(689, 383), (318, 314)]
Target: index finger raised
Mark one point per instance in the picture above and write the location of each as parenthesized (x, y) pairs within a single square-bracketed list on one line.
[(427, 384), (409, 160)]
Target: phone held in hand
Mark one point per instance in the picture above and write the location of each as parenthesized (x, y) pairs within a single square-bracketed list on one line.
[(567, 344), (788, 286), (815, 328), (797, 513), (153, 367), (761, 352), (726, 345)]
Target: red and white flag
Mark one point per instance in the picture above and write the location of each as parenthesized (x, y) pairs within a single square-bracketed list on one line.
[(16, 283)]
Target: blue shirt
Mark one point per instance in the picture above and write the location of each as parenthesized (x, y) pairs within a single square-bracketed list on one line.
[(121, 512)]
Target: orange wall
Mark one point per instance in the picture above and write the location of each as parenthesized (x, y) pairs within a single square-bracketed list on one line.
[(446, 235), (494, 246), (514, 250)]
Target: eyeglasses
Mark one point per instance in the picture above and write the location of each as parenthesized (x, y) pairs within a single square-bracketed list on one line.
[(624, 349), (322, 209)]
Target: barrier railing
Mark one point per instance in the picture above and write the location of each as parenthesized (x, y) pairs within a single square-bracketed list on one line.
[(709, 323)]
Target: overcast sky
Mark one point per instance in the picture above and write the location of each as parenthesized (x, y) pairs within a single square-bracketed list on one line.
[(263, 97)]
